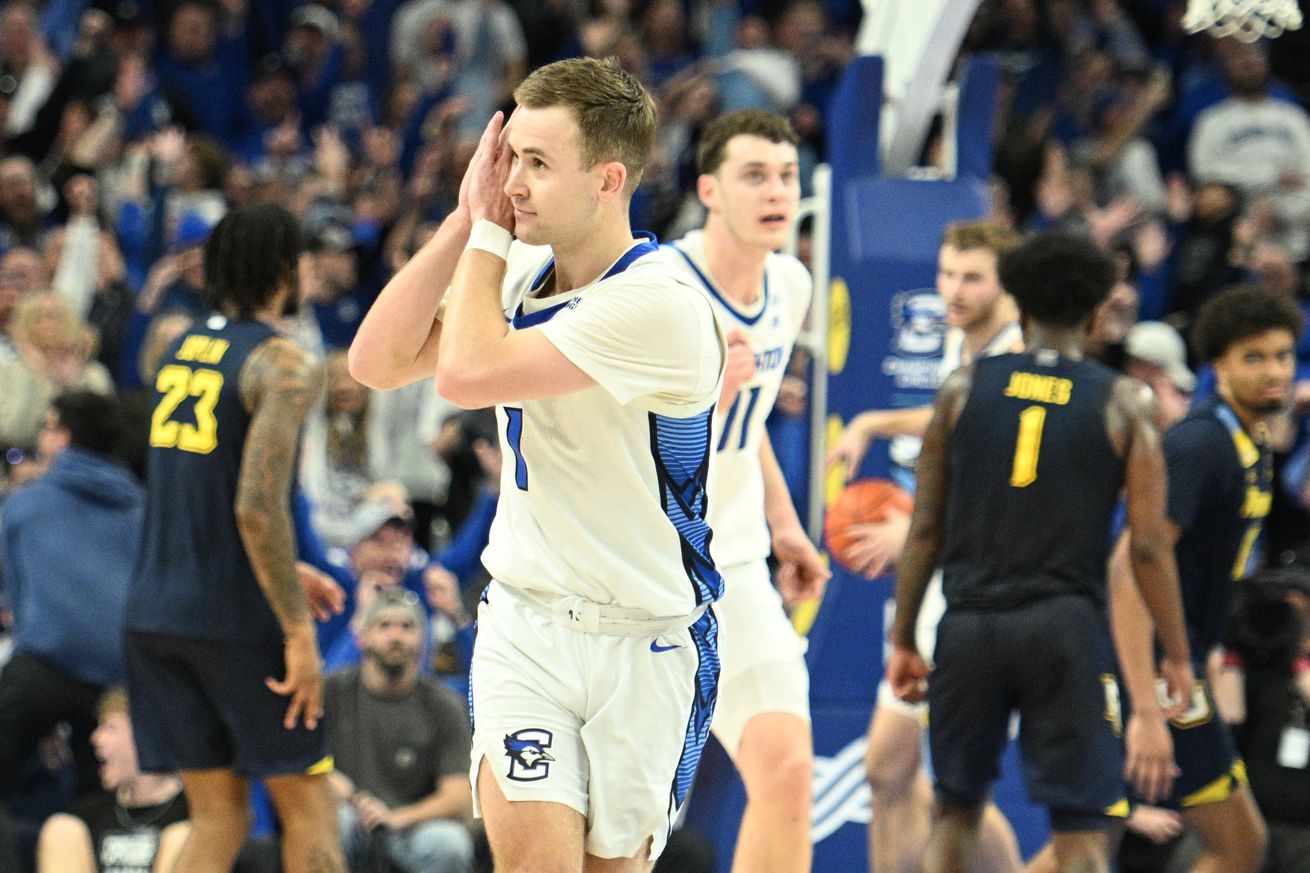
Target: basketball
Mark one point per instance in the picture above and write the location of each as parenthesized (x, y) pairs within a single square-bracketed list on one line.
[(863, 502)]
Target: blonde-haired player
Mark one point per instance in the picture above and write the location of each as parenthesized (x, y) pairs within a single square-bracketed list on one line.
[(750, 186), (595, 669)]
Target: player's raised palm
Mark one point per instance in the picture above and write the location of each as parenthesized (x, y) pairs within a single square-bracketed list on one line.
[(483, 187)]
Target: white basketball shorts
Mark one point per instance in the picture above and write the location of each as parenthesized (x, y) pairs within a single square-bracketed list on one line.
[(611, 725), (762, 655)]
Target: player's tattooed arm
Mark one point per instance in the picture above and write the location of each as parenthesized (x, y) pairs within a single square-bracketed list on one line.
[(1143, 585), (1129, 618), (279, 383), (907, 671), (923, 544), (326, 860), (1151, 533)]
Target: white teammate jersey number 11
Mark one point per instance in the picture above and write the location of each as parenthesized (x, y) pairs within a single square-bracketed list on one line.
[(771, 326)]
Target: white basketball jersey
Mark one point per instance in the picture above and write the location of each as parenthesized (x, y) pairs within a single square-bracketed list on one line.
[(603, 490), (741, 533)]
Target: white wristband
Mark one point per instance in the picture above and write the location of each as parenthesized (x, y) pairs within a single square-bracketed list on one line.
[(490, 237)]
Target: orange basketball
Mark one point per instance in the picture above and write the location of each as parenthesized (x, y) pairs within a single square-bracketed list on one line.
[(863, 502)]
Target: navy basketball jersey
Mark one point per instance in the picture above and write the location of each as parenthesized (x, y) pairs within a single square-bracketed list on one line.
[(1220, 490), (1033, 483), (193, 577)]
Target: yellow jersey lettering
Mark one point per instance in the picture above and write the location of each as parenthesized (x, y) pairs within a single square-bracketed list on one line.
[(214, 352), (1257, 502), (203, 349), (171, 381), (192, 346), (177, 383), (1028, 446), (1242, 563), (1248, 454), (1043, 389)]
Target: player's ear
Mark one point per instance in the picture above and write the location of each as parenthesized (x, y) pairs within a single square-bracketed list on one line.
[(707, 189), (1220, 367), (613, 178)]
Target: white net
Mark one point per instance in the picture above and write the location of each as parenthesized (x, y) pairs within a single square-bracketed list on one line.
[(1247, 20)]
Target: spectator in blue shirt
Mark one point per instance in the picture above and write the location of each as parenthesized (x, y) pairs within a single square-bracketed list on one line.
[(67, 593)]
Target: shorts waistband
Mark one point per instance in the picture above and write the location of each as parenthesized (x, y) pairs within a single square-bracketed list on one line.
[(587, 616)]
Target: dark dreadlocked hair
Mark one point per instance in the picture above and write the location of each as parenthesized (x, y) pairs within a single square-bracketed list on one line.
[(251, 252)]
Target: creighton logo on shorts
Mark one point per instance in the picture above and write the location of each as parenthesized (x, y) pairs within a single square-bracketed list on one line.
[(528, 759)]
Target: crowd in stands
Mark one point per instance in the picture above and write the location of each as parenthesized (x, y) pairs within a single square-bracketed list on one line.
[(128, 128)]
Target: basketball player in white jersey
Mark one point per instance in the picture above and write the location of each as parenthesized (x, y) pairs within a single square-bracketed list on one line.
[(983, 320), (749, 184), (595, 669)]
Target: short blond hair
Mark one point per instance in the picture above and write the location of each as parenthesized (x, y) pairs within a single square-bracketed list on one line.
[(113, 700), (72, 327), (969, 235), (614, 112)]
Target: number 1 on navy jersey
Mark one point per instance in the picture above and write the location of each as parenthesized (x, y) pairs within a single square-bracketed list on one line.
[(1028, 446)]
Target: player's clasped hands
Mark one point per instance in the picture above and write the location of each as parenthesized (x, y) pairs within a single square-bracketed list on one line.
[(482, 191)]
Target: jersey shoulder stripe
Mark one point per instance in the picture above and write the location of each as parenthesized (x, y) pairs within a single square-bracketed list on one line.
[(708, 284)]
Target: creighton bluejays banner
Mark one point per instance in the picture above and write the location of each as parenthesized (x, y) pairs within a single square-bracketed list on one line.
[(886, 332)]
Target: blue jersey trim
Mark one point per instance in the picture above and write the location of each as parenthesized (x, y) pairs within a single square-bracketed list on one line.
[(485, 598), (473, 724), (681, 450), (705, 636), (523, 320), (514, 436), (748, 320)]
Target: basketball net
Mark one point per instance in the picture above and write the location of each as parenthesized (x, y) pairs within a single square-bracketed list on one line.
[(1247, 20)]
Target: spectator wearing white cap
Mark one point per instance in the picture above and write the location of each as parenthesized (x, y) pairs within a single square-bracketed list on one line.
[(1158, 357)]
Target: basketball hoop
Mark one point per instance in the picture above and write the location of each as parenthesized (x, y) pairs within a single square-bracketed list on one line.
[(1247, 20)]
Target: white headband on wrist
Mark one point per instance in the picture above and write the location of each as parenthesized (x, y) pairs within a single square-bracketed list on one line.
[(490, 237)]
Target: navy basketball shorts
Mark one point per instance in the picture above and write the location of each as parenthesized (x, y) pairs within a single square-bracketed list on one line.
[(203, 705), (1210, 769), (1051, 661)]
